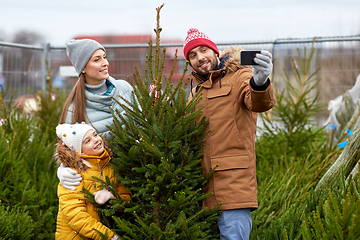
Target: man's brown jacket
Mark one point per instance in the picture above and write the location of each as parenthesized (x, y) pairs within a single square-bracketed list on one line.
[(231, 104)]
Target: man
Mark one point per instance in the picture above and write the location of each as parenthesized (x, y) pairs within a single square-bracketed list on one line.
[(232, 95)]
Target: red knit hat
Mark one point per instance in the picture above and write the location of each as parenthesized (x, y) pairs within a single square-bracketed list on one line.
[(194, 39)]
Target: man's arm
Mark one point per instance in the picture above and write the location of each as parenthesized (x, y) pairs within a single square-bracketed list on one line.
[(255, 92)]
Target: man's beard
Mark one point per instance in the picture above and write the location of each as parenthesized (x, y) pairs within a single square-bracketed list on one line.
[(213, 65)]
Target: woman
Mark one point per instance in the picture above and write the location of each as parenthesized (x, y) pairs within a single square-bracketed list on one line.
[(93, 97)]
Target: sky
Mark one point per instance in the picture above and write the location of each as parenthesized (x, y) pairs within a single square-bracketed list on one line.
[(224, 21)]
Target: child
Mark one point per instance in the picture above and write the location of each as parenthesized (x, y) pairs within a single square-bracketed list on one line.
[(82, 149)]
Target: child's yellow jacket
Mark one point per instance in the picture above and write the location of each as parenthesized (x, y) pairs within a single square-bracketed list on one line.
[(77, 216)]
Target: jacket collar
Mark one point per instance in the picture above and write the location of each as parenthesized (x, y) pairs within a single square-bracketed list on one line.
[(95, 160), (222, 62)]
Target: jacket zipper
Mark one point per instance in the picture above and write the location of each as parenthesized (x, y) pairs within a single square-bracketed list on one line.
[(101, 169)]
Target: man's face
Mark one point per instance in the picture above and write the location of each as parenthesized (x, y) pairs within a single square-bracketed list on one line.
[(203, 59)]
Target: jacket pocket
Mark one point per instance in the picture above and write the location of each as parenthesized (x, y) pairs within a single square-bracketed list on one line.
[(223, 91), (219, 103), (230, 162), (224, 138), (231, 178)]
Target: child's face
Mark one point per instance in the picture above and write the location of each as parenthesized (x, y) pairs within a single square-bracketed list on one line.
[(92, 144)]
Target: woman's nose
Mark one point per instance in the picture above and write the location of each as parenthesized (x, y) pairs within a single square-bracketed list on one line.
[(105, 62)]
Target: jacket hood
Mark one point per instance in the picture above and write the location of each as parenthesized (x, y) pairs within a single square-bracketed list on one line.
[(78, 162), (233, 62)]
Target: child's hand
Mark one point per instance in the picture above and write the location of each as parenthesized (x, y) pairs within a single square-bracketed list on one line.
[(103, 196), (115, 237)]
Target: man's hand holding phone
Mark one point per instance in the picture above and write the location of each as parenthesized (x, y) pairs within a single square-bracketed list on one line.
[(261, 64)]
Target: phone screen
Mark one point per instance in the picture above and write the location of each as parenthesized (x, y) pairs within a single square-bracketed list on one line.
[(247, 57)]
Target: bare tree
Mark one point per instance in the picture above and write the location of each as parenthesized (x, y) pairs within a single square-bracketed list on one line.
[(27, 37)]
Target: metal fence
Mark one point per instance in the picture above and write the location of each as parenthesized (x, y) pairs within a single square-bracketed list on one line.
[(25, 68)]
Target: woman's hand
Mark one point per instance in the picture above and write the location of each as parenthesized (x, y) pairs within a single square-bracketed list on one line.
[(68, 177)]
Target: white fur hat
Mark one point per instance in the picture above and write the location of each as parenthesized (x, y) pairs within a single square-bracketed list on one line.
[(73, 134)]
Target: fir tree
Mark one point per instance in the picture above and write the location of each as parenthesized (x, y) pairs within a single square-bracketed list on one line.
[(157, 156), (292, 128)]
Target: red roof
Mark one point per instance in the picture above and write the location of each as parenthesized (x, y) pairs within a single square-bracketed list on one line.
[(128, 39)]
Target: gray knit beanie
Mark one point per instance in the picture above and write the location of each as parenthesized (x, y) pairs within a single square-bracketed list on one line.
[(80, 51)]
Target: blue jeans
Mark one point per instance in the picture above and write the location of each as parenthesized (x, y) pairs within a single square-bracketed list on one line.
[(235, 224)]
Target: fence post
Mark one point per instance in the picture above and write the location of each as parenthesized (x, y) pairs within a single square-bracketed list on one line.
[(45, 58)]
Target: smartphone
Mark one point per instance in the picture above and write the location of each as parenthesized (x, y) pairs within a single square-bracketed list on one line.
[(247, 57)]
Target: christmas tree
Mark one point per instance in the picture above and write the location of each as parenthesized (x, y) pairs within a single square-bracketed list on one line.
[(157, 157)]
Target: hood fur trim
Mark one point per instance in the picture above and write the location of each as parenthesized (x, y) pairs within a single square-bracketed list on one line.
[(69, 158), (233, 63)]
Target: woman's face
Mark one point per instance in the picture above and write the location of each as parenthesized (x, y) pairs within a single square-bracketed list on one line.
[(96, 69)]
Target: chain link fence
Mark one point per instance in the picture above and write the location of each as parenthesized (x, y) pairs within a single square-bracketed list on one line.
[(25, 69)]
